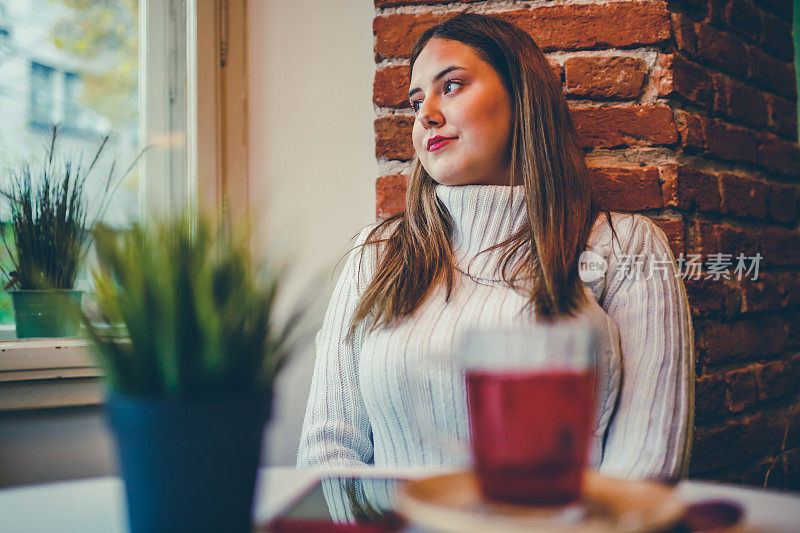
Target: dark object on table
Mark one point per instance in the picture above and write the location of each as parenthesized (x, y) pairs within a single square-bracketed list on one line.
[(710, 515), (333, 504)]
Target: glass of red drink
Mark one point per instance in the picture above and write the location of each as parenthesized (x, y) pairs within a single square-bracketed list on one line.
[(531, 403)]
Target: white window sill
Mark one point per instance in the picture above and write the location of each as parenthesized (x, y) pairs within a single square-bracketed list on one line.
[(48, 373)]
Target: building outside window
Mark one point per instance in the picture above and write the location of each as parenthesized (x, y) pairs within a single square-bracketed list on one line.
[(41, 92), (72, 108), (75, 64)]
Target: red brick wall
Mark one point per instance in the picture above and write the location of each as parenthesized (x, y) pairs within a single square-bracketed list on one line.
[(687, 114)]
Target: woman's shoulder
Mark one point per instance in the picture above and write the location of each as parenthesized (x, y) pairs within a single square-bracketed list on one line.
[(624, 232), (369, 244), (630, 235), (376, 232)]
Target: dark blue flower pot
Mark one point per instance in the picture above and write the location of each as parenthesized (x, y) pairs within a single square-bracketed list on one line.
[(188, 465)]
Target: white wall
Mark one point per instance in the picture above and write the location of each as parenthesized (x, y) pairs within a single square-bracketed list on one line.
[(312, 157)]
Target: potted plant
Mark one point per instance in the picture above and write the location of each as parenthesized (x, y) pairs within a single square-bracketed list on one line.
[(50, 233), (189, 390)]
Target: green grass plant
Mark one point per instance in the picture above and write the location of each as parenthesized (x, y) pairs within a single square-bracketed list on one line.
[(199, 315), (50, 228)]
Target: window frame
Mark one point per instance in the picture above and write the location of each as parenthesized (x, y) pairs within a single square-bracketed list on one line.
[(207, 88)]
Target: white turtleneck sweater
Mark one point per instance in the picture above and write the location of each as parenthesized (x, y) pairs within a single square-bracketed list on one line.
[(381, 400)]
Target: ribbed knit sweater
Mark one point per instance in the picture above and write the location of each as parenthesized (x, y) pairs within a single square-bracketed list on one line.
[(374, 401)]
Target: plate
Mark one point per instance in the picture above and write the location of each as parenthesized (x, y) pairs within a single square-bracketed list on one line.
[(453, 503)]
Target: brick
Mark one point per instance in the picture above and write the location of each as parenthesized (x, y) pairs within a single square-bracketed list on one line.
[(742, 389), (771, 73), (619, 78), (393, 137), (781, 116), (738, 240), (709, 238), (708, 296), (683, 33), (790, 470), (719, 99), (780, 246), (611, 127), (781, 472), (673, 228), (777, 37), (587, 26), (732, 442), (563, 27), (394, 3), (782, 8), (756, 473), (390, 88), (777, 379), (778, 155), (684, 187), (690, 129), (782, 202), (558, 70), (792, 424), (627, 189), (390, 192), (684, 78), (721, 49), (749, 338), (730, 142), (395, 35), (693, 7), (769, 291), (716, 12), (710, 397), (724, 393), (742, 195), (743, 17), (745, 104), (793, 317)]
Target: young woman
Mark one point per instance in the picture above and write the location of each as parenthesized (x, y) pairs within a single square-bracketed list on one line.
[(499, 208)]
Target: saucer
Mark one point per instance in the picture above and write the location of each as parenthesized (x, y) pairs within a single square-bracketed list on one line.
[(453, 503)]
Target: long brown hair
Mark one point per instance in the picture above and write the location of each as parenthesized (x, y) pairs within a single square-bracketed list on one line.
[(545, 157)]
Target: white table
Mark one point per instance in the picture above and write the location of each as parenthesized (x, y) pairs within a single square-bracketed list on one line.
[(97, 504)]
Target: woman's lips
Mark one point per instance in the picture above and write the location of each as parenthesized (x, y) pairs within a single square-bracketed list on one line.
[(441, 143)]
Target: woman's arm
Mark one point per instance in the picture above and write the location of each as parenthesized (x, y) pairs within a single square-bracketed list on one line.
[(336, 430), (650, 434)]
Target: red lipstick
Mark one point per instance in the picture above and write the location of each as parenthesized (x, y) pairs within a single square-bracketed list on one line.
[(434, 143)]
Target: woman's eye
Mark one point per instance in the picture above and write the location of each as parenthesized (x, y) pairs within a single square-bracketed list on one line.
[(449, 82), (416, 103)]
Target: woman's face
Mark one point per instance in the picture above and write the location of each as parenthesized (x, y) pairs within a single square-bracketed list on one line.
[(467, 104)]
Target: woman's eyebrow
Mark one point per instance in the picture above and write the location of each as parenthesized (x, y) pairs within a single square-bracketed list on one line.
[(437, 77)]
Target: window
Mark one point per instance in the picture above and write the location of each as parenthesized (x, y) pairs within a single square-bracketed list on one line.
[(75, 64), (41, 91), (171, 95), (72, 110)]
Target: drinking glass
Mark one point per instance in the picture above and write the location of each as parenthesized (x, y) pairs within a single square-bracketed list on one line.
[(531, 403)]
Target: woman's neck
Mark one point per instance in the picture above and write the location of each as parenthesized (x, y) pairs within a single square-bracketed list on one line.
[(483, 215)]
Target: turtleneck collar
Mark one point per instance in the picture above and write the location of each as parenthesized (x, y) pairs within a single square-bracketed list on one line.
[(483, 215)]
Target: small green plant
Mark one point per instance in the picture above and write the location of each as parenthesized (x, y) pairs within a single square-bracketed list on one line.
[(50, 224), (199, 317)]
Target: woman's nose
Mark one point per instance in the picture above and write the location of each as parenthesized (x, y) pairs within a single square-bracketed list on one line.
[(430, 114)]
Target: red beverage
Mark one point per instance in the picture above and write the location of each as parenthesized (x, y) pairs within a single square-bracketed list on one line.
[(530, 433)]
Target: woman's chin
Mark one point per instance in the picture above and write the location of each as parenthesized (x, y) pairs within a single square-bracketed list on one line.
[(448, 182), (449, 179)]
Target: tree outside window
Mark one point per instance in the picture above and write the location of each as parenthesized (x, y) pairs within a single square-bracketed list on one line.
[(74, 63)]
